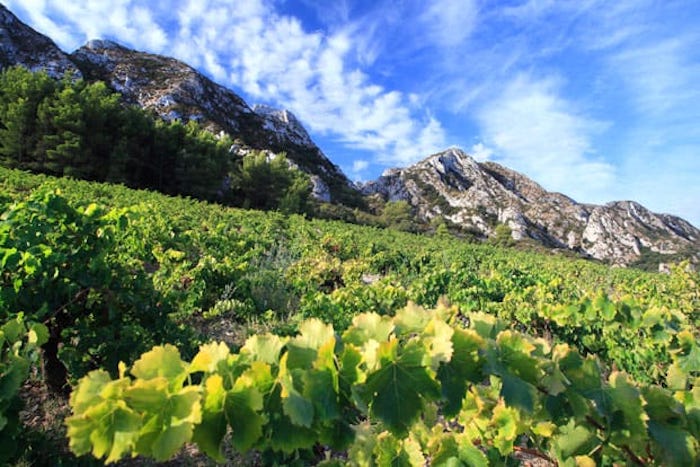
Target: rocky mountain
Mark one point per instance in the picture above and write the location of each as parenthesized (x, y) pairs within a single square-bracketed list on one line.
[(479, 196), (174, 90), (21, 45), (473, 196)]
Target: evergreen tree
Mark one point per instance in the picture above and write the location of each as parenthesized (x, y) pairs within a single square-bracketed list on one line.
[(61, 128), (21, 92), (263, 183)]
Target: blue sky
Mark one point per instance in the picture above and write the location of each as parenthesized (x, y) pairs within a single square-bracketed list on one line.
[(598, 99)]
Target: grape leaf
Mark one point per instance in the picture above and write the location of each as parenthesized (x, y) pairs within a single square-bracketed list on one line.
[(518, 393), (210, 432), (390, 451), (465, 366), (505, 422), (412, 318), (438, 338), (169, 425), (209, 356), (574, 440), (400, 387), (366, 327), (299, 409), (265, 348), (243, 406), (631, 428), (673, 446), (161, 361), (283, 434)]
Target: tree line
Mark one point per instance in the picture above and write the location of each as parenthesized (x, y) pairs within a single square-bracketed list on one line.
[(70, 127)]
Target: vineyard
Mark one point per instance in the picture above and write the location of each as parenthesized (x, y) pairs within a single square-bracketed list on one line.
[(168, 321)]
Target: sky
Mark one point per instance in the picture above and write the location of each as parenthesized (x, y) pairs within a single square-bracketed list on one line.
[(597, 99)]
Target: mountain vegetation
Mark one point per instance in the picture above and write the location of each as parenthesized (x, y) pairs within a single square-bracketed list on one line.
[(169, 290), (78, 129)]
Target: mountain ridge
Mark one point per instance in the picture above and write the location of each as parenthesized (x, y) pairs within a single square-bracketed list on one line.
[(472, 196), (480, 195)]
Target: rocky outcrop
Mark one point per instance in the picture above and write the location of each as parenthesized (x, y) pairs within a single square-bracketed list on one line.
[(175, 90), (284, 124), (21, 45), (479, 196)]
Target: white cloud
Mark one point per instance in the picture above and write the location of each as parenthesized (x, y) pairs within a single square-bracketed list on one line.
[(359, 165), (481, 152), (71, 24), (530, 128)]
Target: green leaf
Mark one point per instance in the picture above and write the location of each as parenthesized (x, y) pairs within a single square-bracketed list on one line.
[(101, 421), (673, 445), (313, 333), (464, 367), (299, 409), (518, 393), (606, 308), (284, 435), (505, 422), (390, 451), (211, 431), (209, 356), (161, 361), (349, 372), (265, 348), (125, 426), (148, 395), (243, 406), (667, 427), (487, 326), (573, 440), (39, 334), (168, 442), (412, 318), (169, 419), (302, 350), (438, 339), (470, 454), (676, 378), (400, 387), (631, 428), (320, 387), (13, 329), (366, 327), (691, 361), (89, 390)]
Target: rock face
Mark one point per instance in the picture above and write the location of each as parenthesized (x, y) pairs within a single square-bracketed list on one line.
[(284, 125), (21, 45), (175, 90), (479, 196)]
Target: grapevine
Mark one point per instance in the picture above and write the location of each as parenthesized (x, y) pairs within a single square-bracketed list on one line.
[(406, 388), (19, 350)]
